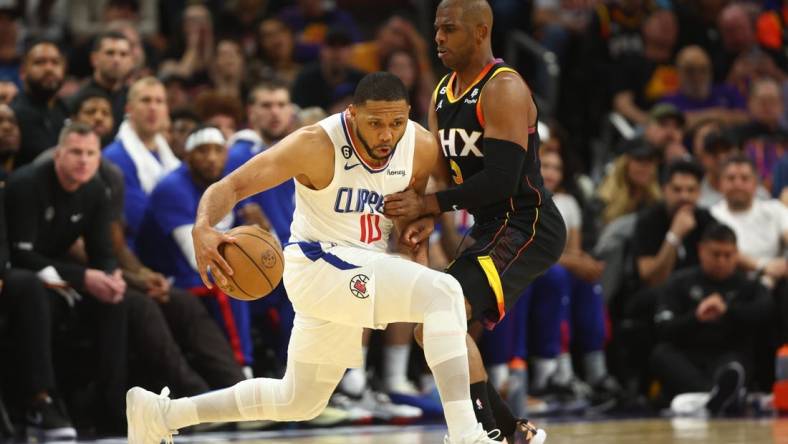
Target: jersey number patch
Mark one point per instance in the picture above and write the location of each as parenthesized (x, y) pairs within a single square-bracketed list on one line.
[(370, 228)]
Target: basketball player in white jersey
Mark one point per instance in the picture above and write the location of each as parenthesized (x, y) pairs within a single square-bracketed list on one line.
[(337, 273)]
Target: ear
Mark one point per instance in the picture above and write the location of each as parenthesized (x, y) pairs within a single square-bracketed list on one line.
[(93, 57), (482, 32), (353, 110)]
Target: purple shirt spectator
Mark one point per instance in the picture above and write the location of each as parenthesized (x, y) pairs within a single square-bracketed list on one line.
[(722, 96), (310, 26)]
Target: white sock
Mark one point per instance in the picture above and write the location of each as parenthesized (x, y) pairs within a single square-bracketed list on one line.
[(395, 364), (595, 366), (498, 375), (564, 372), (543, 368), (354, 382)]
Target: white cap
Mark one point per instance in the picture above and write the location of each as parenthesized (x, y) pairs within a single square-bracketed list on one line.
[(204, 136)]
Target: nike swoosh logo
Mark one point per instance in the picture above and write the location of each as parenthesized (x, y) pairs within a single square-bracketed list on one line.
[(350, 167)]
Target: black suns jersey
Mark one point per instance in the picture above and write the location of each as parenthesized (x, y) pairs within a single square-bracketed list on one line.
[(461, 131)]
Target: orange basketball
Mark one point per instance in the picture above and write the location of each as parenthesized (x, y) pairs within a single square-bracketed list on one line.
[(256, 260)]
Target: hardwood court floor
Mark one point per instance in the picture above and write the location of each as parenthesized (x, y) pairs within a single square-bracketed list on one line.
[(651, 431)]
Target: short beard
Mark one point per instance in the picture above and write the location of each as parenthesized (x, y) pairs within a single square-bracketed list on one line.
[(40, 92), (369, 151)]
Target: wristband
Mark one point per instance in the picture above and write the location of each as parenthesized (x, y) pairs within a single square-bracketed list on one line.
[(672, 239)]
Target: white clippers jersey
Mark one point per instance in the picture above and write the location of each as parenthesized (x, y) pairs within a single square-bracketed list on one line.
[(349, 211)]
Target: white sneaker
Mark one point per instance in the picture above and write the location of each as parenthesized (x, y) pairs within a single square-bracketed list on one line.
[(402, 387), (356, 413), (145, 416), (690, 404), (382, 408), (477, 436)]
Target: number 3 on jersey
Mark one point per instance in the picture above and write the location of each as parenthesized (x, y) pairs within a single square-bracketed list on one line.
[(370, 228)]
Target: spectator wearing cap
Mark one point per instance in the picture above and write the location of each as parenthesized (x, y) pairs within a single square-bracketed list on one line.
[(663, 132), (763, 139), (332, 78), (698, 97), (705, 321), (39, 111), (312, 22), (112, 65), (165, 240), (631, 184), (141, 151), (667, 233), (9, 140)]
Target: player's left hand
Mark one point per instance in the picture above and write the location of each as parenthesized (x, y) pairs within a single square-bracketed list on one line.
[(406, 204), (417, 232)]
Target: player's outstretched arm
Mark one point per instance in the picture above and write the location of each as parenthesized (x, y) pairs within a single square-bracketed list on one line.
[(287, 159)]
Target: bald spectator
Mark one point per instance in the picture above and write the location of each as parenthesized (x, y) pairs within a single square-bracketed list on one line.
[(698, 97), (763, 139), (39, 111), (9, 140), (646, 78)]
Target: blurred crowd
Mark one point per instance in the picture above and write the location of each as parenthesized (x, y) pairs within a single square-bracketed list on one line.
[(663, 129)]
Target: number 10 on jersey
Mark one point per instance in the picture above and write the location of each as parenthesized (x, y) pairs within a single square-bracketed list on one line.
[(370, 228)]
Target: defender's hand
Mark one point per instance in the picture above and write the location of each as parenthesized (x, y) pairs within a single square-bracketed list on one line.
[(406, 204)]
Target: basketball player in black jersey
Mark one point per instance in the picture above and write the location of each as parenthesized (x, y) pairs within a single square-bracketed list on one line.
[(485, 120)]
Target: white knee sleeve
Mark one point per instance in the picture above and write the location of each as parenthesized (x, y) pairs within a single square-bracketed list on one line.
[(301, 395), (444, 321)]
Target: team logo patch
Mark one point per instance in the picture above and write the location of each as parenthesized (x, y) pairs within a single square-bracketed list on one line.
[(358, 286), (269, 259), (346, 151)]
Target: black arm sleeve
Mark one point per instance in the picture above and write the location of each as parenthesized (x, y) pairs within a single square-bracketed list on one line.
[(98, 242), (23, 209), (504, 163)]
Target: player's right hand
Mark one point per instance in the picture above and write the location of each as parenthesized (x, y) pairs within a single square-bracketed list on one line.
[(206, 252), (417, 232)]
